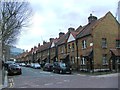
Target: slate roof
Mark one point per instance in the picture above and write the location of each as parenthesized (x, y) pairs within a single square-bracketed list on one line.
[(45, 46), (87, 29), (116, 52), (63, 39)]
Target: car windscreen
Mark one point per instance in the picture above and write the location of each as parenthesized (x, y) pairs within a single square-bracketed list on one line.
[(62, 65), (13, 65)]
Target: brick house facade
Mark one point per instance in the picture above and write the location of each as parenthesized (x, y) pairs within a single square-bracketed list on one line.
[(91, 47)]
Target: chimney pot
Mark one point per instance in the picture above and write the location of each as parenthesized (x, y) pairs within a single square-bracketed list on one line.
[(92, 18)]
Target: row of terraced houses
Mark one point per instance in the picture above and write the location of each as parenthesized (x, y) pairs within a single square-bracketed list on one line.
[(90, 47)]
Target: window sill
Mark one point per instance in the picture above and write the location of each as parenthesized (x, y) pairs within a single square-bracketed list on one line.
[(118, 47), (104, 47), (84, 48), (105, 64)]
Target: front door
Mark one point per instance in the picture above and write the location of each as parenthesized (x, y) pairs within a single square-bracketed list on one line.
[(91, 64), (113, 64)]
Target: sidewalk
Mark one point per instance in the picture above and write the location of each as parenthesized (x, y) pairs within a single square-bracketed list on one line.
[(104, 75), (5, 82)]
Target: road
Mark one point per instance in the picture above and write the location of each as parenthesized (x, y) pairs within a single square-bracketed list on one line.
[(36, 78)]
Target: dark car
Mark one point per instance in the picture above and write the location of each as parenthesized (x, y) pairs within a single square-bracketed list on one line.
[(14, 69), (7, 63), (61, 68), (48, 67)]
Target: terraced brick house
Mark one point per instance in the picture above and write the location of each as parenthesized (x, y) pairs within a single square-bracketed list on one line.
[(95, 41), (45, 52), (72, 48), (62, 48), (53, 50)]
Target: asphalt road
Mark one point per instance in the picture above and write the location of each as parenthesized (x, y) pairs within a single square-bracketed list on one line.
[(36, 78)]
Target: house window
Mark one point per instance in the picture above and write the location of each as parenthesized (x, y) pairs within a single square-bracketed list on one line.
[(117, 43), (73, 47), (73, 60), (83, 61), (62, 49), (104, 43), (104, 59), (84, 45), (69, 48)]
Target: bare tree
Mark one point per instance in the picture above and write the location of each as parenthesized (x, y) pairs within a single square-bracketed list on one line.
[(13, 17)]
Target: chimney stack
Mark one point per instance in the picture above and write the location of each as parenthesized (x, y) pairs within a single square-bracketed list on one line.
[(61, 34), (92, 18), (44, 42), (39, 45), (51, 39), (71, 29)]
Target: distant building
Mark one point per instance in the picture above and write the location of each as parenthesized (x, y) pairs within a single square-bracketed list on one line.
[(15, 51)]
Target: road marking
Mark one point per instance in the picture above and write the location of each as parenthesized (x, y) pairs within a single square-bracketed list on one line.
[(48, 84), (59, 82), (11, 82), (66, 80)]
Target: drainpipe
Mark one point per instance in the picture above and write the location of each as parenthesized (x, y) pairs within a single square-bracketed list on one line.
[(56, 52), (49, 55), (77, 54)]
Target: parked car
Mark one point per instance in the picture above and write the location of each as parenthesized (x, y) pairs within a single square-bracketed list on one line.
[(14, 69), (31, 65), (7, 63), (48, 67), (27, 65), (22, 64), (61, 68), (36, 66), (42, 64)]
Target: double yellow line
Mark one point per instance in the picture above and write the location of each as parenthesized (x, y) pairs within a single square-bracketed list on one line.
[(11, 82)]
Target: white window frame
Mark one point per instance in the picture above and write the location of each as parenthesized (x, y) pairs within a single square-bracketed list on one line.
[(117, 43), (83, 61), (73, 45), (84, 44), (104, 59), (104, 43)]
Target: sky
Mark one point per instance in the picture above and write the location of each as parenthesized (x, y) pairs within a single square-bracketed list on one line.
[(53, 16)]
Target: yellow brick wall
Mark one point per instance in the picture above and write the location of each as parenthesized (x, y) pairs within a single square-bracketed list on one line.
[(107, 28)]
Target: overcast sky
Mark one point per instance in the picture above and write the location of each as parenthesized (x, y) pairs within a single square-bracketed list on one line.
[(53, 16)]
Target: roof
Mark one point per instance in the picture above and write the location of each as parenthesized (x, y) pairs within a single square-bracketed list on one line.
[(74, 34), (115, 52), (63, 39), (45, 46), (87, 29)]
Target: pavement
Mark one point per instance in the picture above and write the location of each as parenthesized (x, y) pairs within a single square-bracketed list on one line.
[(5, 83)]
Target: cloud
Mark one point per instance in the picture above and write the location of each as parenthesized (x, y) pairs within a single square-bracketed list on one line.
[(52, 16)]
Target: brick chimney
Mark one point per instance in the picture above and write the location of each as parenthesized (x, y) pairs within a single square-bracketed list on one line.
[(61, 34), (71, 29), (51, 39), (91, 18), (39, 45), (44, 42)]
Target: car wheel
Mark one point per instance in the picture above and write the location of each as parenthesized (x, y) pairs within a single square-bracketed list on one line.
[(20, 73), (53, 71), (60, 72)]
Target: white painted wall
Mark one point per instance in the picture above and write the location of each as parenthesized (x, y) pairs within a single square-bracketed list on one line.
[(71, 38), (53, 44)]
